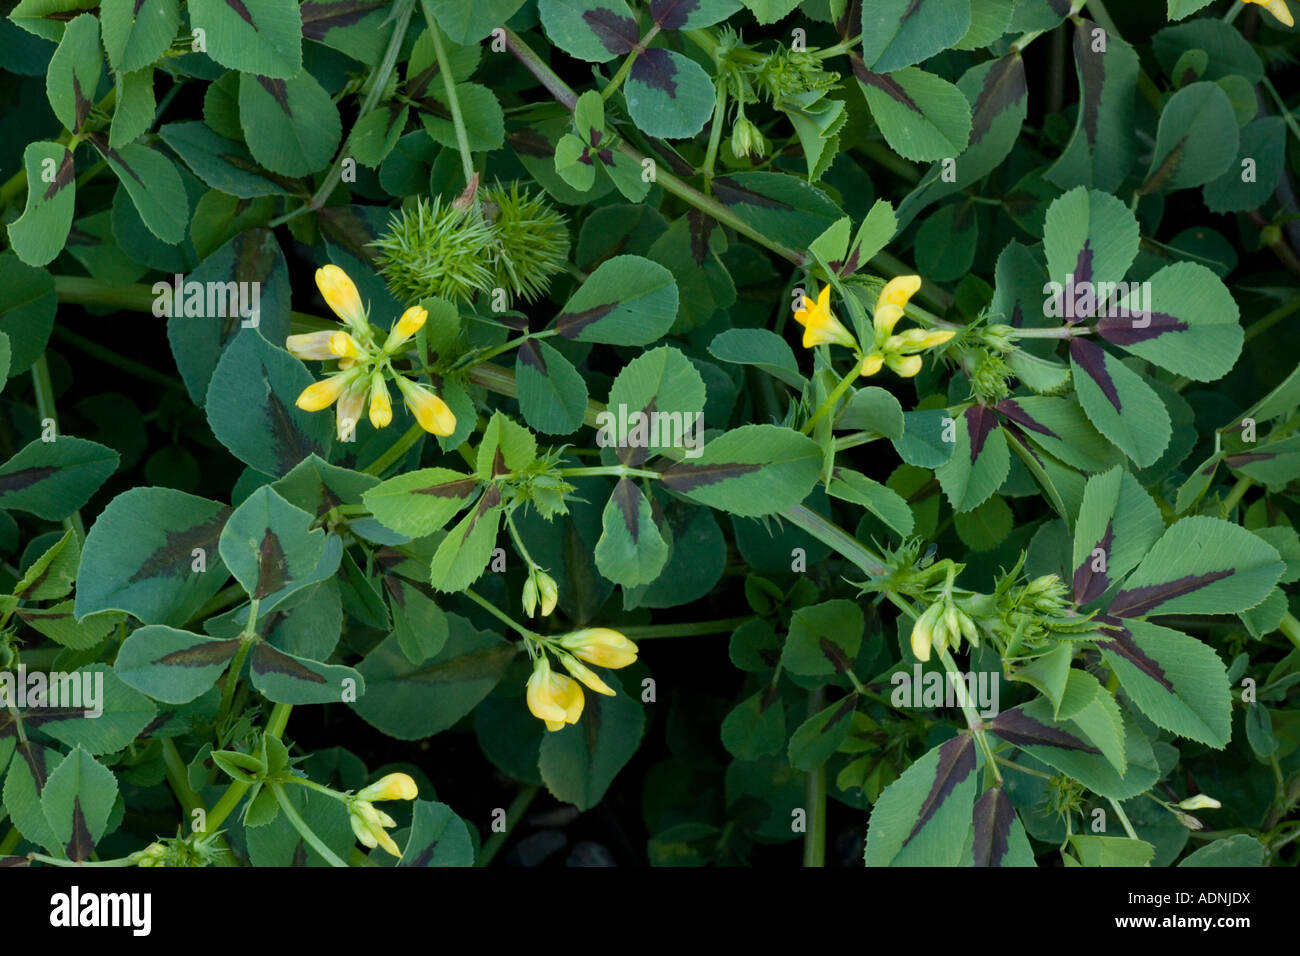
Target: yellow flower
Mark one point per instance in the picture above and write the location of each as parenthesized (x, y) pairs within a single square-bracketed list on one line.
[(368, 823), (311, 346), (393, 786), (344, 346), (340, 294), (923, 632), (348, 413), (429, 410), (585, 674), (600, 646), (548, 591), (904, 366), (1278, 8), (323, 394), (918, 340), (891, 302), (553, 698), (412, 321), (381, 407), (819, 324), (871, 363)]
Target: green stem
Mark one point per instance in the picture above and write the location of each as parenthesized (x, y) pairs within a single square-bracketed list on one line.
[(1235, 495), (453, 101), (1123, 818), (626, 66), (833, 398), (715, 131), (1287, 116), (1260, 326), (837, 538), (395, 451), (814, 838), (618, 471), (641, 632), (301, 826), (498, 613), (1290, 627), (514, 813), (45, 410), (109, 357), (178, 777), (232, 678), (10, 842)]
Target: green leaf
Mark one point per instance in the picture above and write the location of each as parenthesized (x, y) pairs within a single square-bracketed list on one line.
[(51, 575), (980, 459), (418, 623), (28, 775), (778, 205), (419, 503), (1117, 525), (73, 75), (579, 762), (77, 800), (52, 479), (1096, 850), (470, 22), (985, 527), (1103, 147), (153, 552), (885, 503), (899, 33), (154, 186), (824, 639), (552, 393), (1248, 182), (410, 701), (1049, 673), (592, 30), (291, 126), (1092, 237), (172, 665), (264, 39), (924, 818), (1175, 680), (271, 549), (875, 410), (653, 406), (135, 107), (1191, 328), (668, 95), (123, 714), (465, 551), (47, 18), (755, 727), (39, 233), (632, 550), (1239, 850), (484, 121), (222, 163), (818, 737), (923, 117), (1060, 427), (750, 471), (288, 679), (138, 32), (27, 306), (1120, 403), (1200, 565), (438, 836), (1196, 140), (250, 407), (627, 300)]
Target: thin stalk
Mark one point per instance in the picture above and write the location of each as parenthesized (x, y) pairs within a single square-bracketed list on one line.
[(514, 813), (178, 777), (626, 66), (641, 632), (1123, 818), (500, 615), (301, 826), (814, 838), (453, 101), (617, 471), (395, 451), (833, 398)]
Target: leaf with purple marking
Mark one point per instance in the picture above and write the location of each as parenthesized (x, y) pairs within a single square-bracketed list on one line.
[(77, 800), (656, 404), (154, 185), (171, 665), (923, 117), (1175, 680), (1117, 525), (38, 235), (1000, 838), (627, 300), (272, 550), (750, 471), (924, 818), (1200, 565), (287, 679), (438, 837), (899, 33), (355, 27), (418, 503), (592, 30), (691, 14), (1103, 146), (52, 479), (817, 738), (1182, 319), (1274, 464), (224, 164), (153, 552), (1120, 403), (668, 94), (980, 459), (73, 75), (292, 126), (260, 37), (632, 549), (824, 639), (464, 553), (1059, 426), (778, 205), (138, 32), (1196, 140), (1091, 239)]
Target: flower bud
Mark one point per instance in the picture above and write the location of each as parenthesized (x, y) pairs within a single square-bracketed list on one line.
[(393, 786), (548, 591), (529, 597), (1200, 801), (747, 140)]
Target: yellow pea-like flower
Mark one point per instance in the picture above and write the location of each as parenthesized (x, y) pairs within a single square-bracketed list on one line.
[(553, 698), (601, 646), (381, 406), (905, 366), (370, 826), (1278, 8), (429, 410), (872, 363), (348, 412), (340, 294), (323, 394), (412, 321), (393, 786), (344, 346), (310, 346), (585, 674), (898, 291), (923, 632), (819, 323)]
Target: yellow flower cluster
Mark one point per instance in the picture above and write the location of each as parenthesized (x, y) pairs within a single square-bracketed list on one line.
[(900, 352), (364, 364), (1278, 8), (371, 824), (558, 700)]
